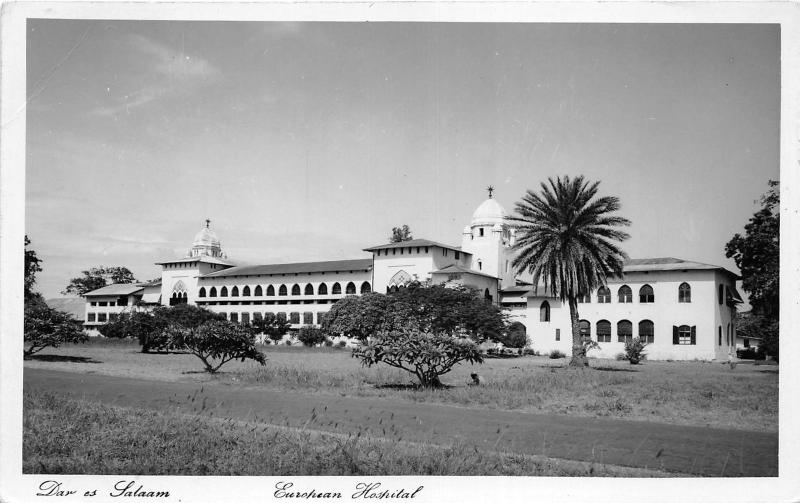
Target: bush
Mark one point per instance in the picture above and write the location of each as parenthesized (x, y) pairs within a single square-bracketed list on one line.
[(530, 352), (634, 350), (310, 336), (341, 344), (288, 342), (217, 342), (328, 343), (271, 325), (750, 354), (555, 354), (514, 337), (620, 357)]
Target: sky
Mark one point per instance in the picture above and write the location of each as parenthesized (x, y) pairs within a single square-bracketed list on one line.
[(309, 141)]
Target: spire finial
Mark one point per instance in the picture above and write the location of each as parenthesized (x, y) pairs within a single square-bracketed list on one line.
[(490, 189), (208, 223)]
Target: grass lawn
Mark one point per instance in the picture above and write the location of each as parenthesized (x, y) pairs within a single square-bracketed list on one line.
[(122, 440), (691, 393)]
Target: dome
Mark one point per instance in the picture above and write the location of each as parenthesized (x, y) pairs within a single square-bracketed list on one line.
[(489, 213), (206, 237)]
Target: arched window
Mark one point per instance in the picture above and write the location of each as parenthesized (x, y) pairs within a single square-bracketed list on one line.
[(223, 292), (337, 289), (270, 291), (323, 289), (351, 289), (585, 329), (721, 293), (246, 291), (235, 291), (487, 295), (646, 295), (603, 331), (282, 290), (544, 311), (625, 295), (604, 295), (202, 292), (296, 289), (213, 292), (647, 331), (258, 292), (391, 289), (309, 289), (624, 331), (684, 293), (400, 278), (365, 288)]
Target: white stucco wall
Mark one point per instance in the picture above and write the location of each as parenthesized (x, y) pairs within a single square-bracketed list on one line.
[(415, 264)]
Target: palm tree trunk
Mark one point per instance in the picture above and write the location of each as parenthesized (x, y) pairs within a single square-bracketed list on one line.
[(578, 353)]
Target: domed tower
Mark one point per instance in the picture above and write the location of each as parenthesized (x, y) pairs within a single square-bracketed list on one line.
[(206, 243), (489, 238)]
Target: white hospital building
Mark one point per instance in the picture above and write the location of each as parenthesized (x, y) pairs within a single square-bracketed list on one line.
[(685, 310)]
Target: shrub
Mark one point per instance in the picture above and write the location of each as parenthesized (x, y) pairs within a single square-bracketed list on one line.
[(555, 354), (634, 350), (530, 352), (328, 343), (341, 344), (514, 337), (288, 342), (750, 354), (47, 327), (271, 325), (620, 357), (310, 336), (217, 342)]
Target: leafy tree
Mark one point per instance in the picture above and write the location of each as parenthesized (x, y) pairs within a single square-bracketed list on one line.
[(755, 326), (400, 234), (568, 240), (32, 266), (757, 255), (514, 336), (216, 342), (153, 334), (98, 277), (311, 336), (272, 326), (424, 330), (47, 327)]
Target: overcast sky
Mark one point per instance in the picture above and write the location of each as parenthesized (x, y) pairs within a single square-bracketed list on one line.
[(310, 141)]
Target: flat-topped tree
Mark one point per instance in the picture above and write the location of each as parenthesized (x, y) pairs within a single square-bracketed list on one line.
[(567, 238)]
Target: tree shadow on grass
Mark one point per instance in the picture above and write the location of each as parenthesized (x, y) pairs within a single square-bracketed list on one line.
[(409, 386), (614, 369), (62, 358)]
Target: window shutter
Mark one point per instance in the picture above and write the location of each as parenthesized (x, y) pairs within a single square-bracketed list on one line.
[(675, 339), (694, 334)]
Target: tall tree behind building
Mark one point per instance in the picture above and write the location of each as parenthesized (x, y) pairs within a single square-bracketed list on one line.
[(98, 277), (400, 234)]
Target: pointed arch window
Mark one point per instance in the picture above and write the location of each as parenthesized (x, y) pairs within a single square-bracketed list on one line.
[(212, 292), (323, 289), (684, 293), (365, 287), (624, 331), (282, 291), (604, 295), (270, 291), (259, 292), (625, 295), (296, 289), (246, 291), (351, 288), (223, 292), (309, 290), (202, 292), (400, 278), (337, 289), (544, 312), (235, 291), (603, 331), (647, 331), (646, 295)]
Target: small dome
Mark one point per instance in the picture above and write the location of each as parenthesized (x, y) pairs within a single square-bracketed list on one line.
[(206, 237), (489, 213)]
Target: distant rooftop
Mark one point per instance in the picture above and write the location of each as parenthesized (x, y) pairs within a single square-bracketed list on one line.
[(116, 289), (299, 267), (669, 264), (202, 258), (415, 242), (455, 268)]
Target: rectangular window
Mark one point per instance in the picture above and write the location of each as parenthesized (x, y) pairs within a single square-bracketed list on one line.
[(426, 249), (90, 317), (458, 256), (319, 318), (245, 318), (394, 251), (480, 231), (257, 316), (102, 303), (235, 317), (122, 301), (294, 318), (417, 249), (401, 250), (558, 334), (112, 303), (101, 317), (308, 318), (94, 303)]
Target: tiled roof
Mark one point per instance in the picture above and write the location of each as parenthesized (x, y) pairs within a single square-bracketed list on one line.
[(415, 242), (300, 267), (202, 258), (454, 268), (115, 289), (669, 264)]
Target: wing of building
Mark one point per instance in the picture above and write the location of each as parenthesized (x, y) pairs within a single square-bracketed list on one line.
[(684, 309)]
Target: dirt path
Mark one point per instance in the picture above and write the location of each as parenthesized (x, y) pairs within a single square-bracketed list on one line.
[(684, 449)]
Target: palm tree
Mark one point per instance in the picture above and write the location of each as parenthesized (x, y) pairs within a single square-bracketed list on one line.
[(569, 241)]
